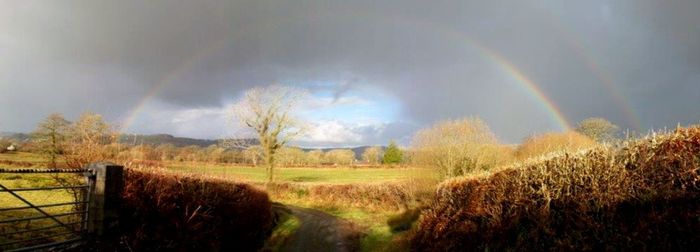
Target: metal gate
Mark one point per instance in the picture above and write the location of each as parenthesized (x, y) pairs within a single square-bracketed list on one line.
[(48, 212)]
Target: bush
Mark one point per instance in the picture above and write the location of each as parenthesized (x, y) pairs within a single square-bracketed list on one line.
[(547, 143), (385, 196), (458, 147), (168, 212), (645, 196)]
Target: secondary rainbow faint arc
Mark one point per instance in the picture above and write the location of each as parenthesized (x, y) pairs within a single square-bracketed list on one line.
[(521, 78), (530, 86), (603, 76)]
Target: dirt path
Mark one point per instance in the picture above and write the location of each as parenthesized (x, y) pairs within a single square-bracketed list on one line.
[(319, 231)]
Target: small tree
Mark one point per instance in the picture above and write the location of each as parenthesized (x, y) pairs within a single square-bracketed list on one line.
[(393, 155), (598, 129), (253, 154), (372, 155), (315, 157), (268, 111), (4, 143), (340, 156), (50, 137), (87, 140)]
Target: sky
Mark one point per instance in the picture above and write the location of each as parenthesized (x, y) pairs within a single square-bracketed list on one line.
[(376, 70)]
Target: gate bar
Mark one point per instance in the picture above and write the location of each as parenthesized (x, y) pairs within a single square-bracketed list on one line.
[(42, 206), (39, 229), (42, 188), (32, 205), (48, 245), (37, 238), (41, 217), (30, 170)]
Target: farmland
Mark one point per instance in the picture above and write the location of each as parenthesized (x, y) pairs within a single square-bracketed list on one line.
[(368, 204), (380, 206)]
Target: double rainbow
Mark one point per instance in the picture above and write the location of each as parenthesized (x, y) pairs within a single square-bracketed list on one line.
[(532, 88)]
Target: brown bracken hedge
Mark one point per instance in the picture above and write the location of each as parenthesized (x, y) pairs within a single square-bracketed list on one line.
[(640, 197), (162, 212)]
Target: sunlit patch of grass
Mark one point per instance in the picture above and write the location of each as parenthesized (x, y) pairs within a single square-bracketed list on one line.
[(37, 198), (282, 233)]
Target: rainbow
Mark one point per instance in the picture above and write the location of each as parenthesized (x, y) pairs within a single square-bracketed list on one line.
[(168, 78), (608, 83), (532, 88), (519, 76)]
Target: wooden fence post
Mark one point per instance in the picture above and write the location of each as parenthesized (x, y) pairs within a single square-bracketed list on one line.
[(103, 215)]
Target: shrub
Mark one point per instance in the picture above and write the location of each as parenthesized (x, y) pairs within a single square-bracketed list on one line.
[(458, 147), (645, 196), (547, 143), (385, 196), (168, 212)]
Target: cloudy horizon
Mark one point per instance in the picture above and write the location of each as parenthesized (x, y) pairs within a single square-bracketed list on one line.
[(376, 71)]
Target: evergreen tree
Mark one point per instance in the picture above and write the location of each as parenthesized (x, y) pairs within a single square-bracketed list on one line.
[(393, 154)]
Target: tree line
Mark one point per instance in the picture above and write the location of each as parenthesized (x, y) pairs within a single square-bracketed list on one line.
[(90, 138)]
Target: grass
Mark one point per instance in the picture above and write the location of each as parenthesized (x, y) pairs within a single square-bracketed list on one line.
[(341, 175), (21, 160), (281, 233), (373, 222), (36, 197)]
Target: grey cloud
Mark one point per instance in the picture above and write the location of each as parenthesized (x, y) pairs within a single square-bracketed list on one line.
[(105, 56)]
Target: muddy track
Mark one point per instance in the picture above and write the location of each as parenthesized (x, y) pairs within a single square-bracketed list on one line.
[(319, 231)]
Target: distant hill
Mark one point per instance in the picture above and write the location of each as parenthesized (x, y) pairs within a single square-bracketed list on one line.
[(159, 139), (21, 137)]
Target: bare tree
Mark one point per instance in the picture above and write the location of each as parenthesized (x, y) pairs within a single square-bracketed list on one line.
[(88, 137), (50, 137), (372, 155), (458, 147), (340, 156), (315, 157), (268, 111)]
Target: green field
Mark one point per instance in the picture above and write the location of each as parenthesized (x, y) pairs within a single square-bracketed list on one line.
[(331, 175)]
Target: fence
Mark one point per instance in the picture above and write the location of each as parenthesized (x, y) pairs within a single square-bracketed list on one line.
[(67, 211)]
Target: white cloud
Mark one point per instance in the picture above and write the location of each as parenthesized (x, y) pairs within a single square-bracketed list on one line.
[(332, 132)]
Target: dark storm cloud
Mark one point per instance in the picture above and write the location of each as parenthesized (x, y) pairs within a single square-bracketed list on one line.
[(104, 56)]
